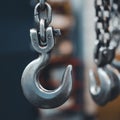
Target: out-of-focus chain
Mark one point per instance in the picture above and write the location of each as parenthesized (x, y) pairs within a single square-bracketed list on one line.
[(115, 21), (108, 36), (102, 20), (104, 50)]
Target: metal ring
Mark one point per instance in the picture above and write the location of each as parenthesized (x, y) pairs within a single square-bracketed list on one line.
[(45, 14)]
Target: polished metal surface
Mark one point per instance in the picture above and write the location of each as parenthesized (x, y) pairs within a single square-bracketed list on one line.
[(39, 96), (100, 93), (42, 32), (32, 89), (50, 42), (43, 41), (109, 85), (45, 14), (106, 86)]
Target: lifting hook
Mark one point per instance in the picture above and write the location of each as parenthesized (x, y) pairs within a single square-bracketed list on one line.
[(32, 89), (108, 88)]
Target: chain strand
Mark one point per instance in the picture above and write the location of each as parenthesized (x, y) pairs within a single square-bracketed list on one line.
[(42, 17), (102, 20)]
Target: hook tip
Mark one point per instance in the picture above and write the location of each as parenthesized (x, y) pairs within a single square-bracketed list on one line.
[(69, 67), (68, 73)]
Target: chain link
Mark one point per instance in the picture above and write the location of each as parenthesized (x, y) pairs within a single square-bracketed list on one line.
[(45, 14), (42, 17)]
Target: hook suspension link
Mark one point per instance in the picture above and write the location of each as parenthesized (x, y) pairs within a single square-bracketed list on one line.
[(43, 17)]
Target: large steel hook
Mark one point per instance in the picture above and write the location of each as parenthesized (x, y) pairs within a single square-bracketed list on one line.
[(108, 89), (31, 86)]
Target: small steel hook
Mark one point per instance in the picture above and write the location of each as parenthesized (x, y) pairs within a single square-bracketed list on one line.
[(108, 89), (39, 96), (100, 93), (31, 86)]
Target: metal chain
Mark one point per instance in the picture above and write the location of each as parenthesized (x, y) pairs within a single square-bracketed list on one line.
[(42, 17), (43, 37), (45, 13), (107, 30), (104, 51), (108, 22), (115, 21), (102, 21)]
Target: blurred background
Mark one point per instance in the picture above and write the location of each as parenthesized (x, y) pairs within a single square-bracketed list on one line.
[(76, 20)]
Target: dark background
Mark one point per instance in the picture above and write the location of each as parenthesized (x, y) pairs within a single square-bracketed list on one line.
[(16, 18)]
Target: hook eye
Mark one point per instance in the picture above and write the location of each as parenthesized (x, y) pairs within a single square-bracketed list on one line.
[(39, 96), (49, 40)]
